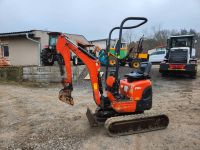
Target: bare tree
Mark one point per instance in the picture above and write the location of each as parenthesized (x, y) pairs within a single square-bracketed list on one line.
[(129, 36), (158, 37)]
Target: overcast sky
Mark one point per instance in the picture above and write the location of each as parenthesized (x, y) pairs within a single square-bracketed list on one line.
[(95, 18)]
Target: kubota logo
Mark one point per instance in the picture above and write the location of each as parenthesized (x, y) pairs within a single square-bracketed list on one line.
[(138, 88)]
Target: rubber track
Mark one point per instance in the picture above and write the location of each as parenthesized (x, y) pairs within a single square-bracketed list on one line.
[(137, 118)]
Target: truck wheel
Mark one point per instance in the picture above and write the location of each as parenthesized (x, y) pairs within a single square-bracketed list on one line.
[(193, 75), (47, 57), (60, 59), (134, 64), (112, 62), (164, 74)]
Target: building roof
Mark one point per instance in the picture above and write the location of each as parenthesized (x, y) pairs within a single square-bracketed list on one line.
[(98, 40), (182, 36), (101, 40), (75, 37), (21, 33), (78, 38), (106, 40)]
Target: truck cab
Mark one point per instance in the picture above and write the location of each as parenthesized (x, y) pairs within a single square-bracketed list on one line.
[(180, 57)]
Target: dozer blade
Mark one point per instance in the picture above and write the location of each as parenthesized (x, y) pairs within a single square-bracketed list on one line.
[(91, 118), (133, 124)]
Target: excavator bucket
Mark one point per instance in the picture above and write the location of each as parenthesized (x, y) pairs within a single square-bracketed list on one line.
[(65, 96)]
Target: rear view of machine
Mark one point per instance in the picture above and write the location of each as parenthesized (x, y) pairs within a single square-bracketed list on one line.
[(181, 56)]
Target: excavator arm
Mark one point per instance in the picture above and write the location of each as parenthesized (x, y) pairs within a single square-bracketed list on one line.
[(64, 46)]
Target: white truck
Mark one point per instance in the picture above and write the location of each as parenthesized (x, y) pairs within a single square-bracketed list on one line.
[(158, 55), (181, 56)]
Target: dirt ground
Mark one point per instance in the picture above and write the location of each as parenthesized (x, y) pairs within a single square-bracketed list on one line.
[(33, 118)]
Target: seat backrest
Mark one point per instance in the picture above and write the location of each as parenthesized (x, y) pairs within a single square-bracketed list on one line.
[(145, 68)]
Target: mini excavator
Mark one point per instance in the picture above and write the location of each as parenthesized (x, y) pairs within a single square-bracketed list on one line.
[(122, 109)]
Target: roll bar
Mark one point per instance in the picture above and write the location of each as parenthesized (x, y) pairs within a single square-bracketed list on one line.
[(118, 45)]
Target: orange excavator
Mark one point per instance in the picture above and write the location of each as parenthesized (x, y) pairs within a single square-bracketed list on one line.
[(121, 109)]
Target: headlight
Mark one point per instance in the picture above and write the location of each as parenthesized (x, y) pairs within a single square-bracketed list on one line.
[(193, 62)]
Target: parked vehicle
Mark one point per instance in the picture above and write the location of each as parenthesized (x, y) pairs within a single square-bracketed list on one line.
[(157, 56), (103, 58), (135, 57), (181, 56), (131, 57), (49, 54)]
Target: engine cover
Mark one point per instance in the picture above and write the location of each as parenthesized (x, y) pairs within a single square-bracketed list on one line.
[(133, 90), (135, 96)]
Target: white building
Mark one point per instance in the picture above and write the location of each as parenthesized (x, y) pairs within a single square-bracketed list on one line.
[(23, 48), (103, 42)]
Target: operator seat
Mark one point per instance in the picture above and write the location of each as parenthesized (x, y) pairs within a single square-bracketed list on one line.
[(140, 74)]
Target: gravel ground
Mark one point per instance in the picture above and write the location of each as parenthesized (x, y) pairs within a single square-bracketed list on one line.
[(33, 118)]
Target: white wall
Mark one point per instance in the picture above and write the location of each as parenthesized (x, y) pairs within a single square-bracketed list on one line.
[(102, 44), (44, 38), (23, 52)]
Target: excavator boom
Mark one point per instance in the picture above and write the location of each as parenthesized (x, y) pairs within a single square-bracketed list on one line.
[(64, 46)]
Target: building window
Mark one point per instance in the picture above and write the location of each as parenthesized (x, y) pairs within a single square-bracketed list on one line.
[(5, 51)]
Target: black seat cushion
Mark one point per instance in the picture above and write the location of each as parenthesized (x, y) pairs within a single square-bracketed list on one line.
[(133, 76), (141, 73)]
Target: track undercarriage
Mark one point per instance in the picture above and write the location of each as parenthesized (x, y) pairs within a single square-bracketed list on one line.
[(129, 124)]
